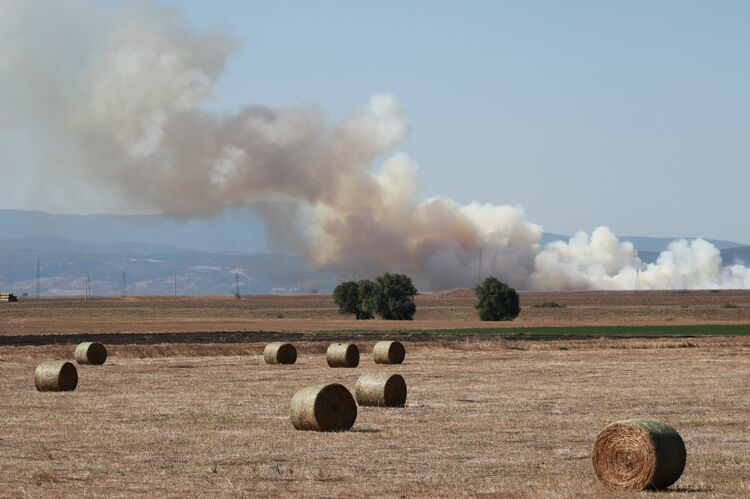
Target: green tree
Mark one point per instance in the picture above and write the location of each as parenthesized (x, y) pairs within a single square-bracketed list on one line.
[(350, 300), (369, 295), (496, 301), (395, 299)]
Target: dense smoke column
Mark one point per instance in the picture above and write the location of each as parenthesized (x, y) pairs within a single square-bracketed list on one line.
[(117, 100)]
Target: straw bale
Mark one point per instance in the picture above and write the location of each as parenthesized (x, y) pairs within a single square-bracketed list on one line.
[(280, 353), (381, 390), (388, 352), (56, 376), (323, 408), (639, 454), (342, 355), (91, 352)]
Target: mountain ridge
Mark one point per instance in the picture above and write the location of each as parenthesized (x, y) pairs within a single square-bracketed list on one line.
[(206, 256), (236, 227)]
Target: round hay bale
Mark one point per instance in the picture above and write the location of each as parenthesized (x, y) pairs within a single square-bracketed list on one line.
[(323, 408), (56, 376), (381, 390), (388, 352), (280, 353), (342, 355), (639, 454), (91, 352)]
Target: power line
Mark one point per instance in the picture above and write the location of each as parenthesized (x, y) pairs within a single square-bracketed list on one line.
[(38, 277)]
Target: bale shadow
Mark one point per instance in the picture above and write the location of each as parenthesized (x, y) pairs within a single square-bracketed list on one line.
[(685, 490)]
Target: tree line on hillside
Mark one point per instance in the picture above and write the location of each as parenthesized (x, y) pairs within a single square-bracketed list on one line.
[(391, 296)]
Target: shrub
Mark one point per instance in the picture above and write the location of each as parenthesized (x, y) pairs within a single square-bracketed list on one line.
[(496, 301), (548, 304), (395, 298)]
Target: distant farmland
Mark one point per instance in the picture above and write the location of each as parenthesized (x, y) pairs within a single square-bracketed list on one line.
[(602, 312)]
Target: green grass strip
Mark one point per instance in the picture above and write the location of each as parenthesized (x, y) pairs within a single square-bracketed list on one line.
[(595, 331)]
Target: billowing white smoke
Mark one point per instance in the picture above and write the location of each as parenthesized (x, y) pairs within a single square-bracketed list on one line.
[(601, 261), (120, 96)]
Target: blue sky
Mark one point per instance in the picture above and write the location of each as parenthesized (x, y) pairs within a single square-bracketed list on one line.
[(634, 115)]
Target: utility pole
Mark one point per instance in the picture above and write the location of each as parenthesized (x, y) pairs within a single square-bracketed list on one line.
[(86, 286), (637, 279), (124, 284), (479, 268), (175, 284), (237, 283), (38, 277)]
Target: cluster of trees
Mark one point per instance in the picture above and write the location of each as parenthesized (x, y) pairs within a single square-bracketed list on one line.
[(391, 296)]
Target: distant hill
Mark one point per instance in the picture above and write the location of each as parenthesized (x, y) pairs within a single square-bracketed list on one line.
[(55, 244), (150, 269), (204, 253), (236, 228), (736, 255)]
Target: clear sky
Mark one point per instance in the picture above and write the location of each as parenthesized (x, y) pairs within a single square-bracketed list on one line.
[(631, 114)]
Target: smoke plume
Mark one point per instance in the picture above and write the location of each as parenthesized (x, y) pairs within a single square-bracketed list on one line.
[(120, 97)]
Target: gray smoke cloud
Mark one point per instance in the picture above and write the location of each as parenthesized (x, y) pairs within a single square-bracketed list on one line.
[(120, 98)]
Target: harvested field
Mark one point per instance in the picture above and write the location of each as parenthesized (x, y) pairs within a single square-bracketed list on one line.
[(185, 404), (487, 416), (300, 313)]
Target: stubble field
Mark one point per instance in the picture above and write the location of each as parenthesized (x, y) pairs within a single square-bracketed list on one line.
[(485, 415)]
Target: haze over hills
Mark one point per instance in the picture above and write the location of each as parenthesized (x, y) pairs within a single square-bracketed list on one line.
[(150, 269), (204, 254), (645, 244), (236, 228)]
